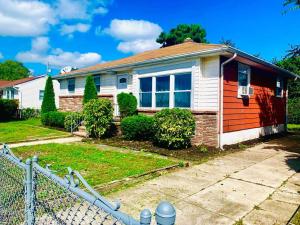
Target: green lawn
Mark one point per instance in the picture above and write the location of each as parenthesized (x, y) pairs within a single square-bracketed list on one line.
[(31, 129), (294, 127), (96, 164)]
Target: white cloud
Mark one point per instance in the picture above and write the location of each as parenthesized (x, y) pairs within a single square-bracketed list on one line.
[(25, 18), (137, 46), (41, 52), (72, 9), (79, 27), (1, 56), (135, 35), (101, 10)]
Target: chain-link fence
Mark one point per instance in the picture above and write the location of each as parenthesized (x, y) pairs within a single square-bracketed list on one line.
[(31, 194)]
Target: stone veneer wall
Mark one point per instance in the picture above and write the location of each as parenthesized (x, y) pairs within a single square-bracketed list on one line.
[(74, 103), (206, 132)]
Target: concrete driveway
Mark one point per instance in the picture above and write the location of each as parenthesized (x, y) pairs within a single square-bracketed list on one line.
[(259, 186)]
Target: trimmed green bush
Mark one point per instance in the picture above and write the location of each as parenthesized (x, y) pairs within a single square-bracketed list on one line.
[(72, 120), (54, 119), (48, 104), (90, 90), (174, 128), (127, 104), (98, 117), (138, 127), (8, 109), (28, 113)]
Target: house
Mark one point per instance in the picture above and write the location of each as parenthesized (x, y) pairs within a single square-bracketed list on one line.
[(233, 95), (28, 91)]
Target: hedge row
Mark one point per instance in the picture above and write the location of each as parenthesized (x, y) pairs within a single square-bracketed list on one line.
[(8, 109)]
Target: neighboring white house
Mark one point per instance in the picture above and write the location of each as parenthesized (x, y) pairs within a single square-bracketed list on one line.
[(28, 91)]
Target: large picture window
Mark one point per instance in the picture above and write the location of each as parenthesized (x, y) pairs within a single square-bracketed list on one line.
[(182, 90), (162, 94), (146, 92), (97, 82), (71, 84)]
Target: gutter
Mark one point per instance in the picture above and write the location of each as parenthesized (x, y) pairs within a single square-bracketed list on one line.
[(222, 99)]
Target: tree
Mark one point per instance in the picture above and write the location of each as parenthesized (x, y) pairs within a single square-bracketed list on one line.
[(180, 33), (295, 3), (227, 42), (13, 70), (48, 104), (90, 90)]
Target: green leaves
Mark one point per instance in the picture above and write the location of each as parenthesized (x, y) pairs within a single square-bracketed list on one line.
[(127, 104), (180, 33), (98, 117), (13, 70), (48, 104), (90, 90)]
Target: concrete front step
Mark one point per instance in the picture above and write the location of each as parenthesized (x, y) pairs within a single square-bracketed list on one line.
[(81, 133), (82, 128)]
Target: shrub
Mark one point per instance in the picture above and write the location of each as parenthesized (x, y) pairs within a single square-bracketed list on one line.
[(98, 117), (90, 90), (174, 128), (127, 104), (138, 127), (72, 120), (8, 109), (48, 104), (54, 119), (28, 113)]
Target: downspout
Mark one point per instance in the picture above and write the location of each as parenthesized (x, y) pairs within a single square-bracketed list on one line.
[(222, 99)]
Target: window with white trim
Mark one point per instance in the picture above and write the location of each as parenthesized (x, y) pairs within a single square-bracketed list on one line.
[(41, 95), (97, 82), (146, 92), (279, 87), (244, 74), (162, 94), (169, 91), (182, 90), (71, 84)]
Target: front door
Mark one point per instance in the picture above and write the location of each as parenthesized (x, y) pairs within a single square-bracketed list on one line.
[(122, 86)]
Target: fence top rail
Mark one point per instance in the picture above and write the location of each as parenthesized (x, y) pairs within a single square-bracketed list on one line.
[(8, 154)]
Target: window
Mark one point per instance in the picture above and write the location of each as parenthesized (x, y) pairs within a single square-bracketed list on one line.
[(182, 90), (279, 87), (146, 92), (122, 82), (10, 93), (162, 91), (243, 78), (41, 95), (97, 82), (71, 84)]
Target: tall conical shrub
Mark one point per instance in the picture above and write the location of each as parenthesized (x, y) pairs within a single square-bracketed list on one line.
[(90, 90), (48, 104)]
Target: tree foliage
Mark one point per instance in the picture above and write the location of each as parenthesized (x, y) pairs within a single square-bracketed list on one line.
[(127, 104), (90, 90), (178, 34), (48, 104), (227, 42), (293, 4), (13, 70)]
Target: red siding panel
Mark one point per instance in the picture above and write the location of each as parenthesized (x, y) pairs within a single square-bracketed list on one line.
[(262, 109)]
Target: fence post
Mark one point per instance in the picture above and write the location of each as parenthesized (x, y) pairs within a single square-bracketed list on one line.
[(28, 197), (165, 214), (145, 217)]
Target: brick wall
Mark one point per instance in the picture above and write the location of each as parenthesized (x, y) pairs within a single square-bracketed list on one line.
[(74, 103), (206, 132)]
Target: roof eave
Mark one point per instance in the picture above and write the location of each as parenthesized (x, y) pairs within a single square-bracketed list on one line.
[(261, 61), (144, 63)]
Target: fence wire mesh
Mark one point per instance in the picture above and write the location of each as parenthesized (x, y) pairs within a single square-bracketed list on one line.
[(12, 194), (57, 205)]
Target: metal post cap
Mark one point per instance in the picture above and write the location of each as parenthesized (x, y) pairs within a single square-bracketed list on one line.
[(165, 213), (145, 217)]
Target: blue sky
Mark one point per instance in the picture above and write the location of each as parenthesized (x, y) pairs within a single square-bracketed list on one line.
[(81, 33)]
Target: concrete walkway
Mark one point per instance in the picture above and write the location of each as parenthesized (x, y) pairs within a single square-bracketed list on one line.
[(259, 185), (55, 140)]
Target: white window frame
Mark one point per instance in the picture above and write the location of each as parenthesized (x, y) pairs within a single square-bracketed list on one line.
[(74, 85), (41, 99), (171, 91), (146, 92), (248, 78), (162, 92), (279, 79), (99, 82), (119, 77)]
